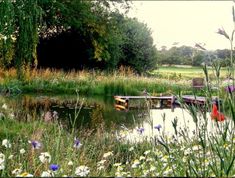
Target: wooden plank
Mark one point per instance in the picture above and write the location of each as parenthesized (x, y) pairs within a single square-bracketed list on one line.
[(119, 106), (194, 98), (186, 98), (167, 101), (144, 97), (120, 99)]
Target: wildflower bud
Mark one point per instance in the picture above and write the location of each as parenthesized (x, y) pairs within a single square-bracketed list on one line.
[(233, 14), (222, 32)]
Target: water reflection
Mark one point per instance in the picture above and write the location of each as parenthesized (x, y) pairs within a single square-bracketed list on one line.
[(99, 112), (82, 112), (160, 123)]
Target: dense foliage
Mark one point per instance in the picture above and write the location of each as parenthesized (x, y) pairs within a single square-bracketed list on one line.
[(138, 48), (19, 24), (90, 34)]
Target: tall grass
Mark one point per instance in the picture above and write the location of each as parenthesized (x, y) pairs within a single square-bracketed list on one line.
[(121, 82)]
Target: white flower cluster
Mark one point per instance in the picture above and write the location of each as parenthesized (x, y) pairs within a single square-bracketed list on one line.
[(100, 164), (2, 161), (45, 157), (135, 164), (3, 37), (82, 171), (16, 171), (108, 154), (47, 173), (22, 151), (6, 143)]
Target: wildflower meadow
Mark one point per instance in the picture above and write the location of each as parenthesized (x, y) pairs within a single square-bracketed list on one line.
[(201, 147)]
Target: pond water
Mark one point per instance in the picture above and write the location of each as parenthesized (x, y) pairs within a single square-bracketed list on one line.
[(96, 112), (160, 123), (86, 112)]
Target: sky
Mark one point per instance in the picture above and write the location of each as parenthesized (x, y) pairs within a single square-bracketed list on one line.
[(186, 22)]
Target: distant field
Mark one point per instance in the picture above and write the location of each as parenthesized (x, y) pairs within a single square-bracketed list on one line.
[(186, 71)]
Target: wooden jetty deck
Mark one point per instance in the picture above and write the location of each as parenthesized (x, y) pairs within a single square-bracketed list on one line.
[(194, 99), (123, 102), (143, 97)]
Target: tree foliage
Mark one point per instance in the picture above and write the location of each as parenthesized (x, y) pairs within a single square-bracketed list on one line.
[(139, 51), (7, 29), (186, 55), (19, 24), (97, 29)]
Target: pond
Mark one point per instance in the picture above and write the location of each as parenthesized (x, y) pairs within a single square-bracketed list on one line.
[(83, 112), (96, 112)]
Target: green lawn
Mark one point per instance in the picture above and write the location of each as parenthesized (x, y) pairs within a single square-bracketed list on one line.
[(186, 71)]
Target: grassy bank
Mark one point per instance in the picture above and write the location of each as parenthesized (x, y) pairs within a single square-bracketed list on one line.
[(121, 82)]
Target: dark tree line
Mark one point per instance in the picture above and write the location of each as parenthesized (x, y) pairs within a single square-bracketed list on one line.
[(73, 34)]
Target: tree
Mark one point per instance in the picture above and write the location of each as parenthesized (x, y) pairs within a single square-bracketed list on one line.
[(198, 58), (104, 35), (19, 24), (7, 29), (26, 20), (94, 23), (138, 49)]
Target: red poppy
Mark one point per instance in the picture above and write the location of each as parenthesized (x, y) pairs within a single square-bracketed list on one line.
[(215, 114)]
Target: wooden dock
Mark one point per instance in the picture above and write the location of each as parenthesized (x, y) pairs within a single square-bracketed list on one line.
[(123, 102), (143, 97), (194, 99)]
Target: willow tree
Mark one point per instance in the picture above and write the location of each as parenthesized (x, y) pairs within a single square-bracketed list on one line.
[(7, 29), (19, 23)]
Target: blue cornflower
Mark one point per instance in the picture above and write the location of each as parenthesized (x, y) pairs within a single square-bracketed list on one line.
[(158, 127), (140, 130), (77, 143), (54, 167), (35, 144)]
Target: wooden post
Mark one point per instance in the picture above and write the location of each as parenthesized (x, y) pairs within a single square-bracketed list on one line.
[(127, 104), (172, 103)]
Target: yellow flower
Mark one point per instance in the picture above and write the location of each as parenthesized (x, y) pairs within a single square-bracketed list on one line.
[(25, 174), (225, 145), (165, 158)]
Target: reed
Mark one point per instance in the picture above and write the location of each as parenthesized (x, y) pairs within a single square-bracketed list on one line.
[(121, 82)]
